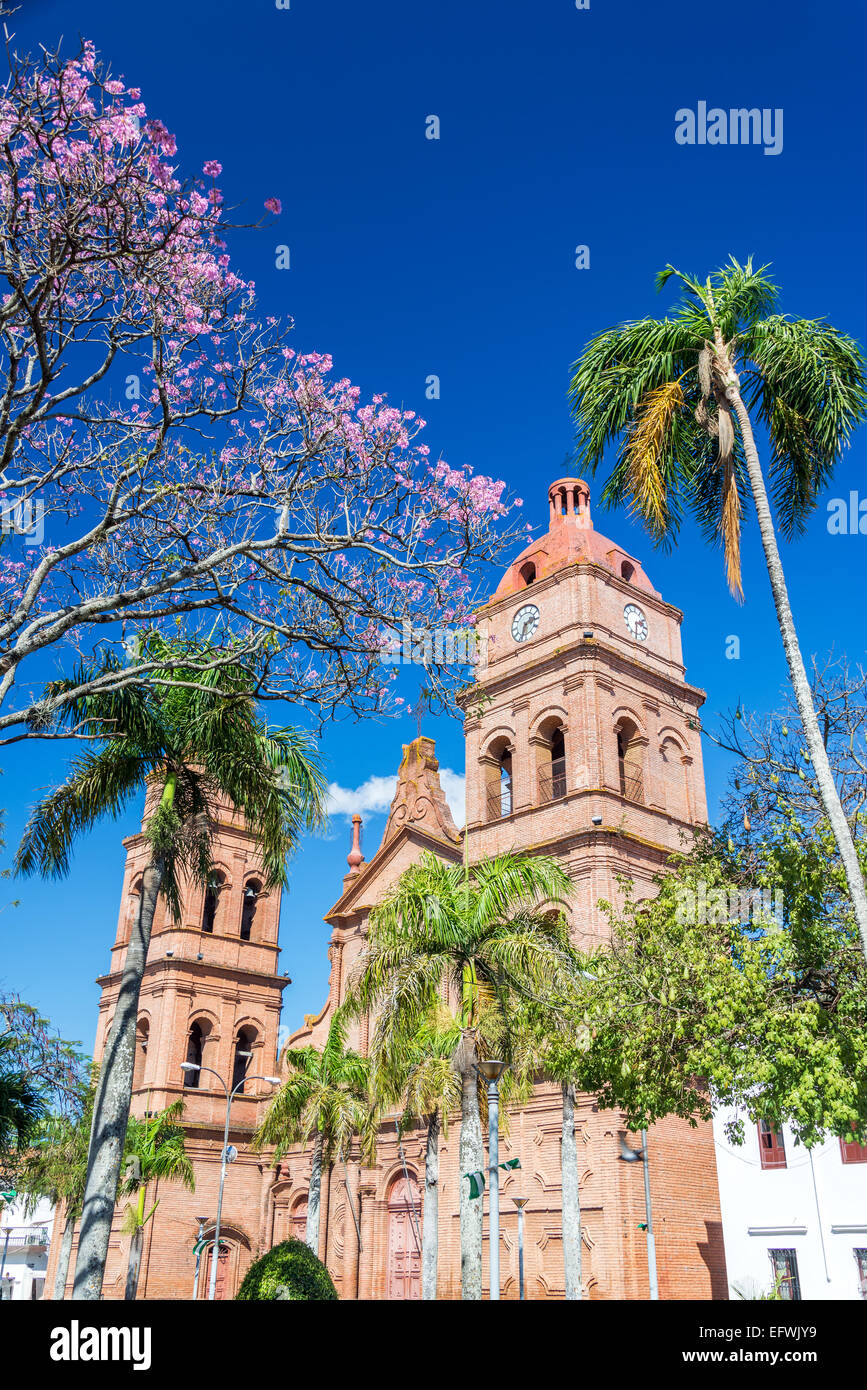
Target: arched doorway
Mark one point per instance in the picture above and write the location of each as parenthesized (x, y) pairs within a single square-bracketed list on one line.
[(222, 1289), (298, 1220), (404, 1255)]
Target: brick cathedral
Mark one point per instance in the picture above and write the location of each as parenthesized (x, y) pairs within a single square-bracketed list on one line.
[(585, 745)]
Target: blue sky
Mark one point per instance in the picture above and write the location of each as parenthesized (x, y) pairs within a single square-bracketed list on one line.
[(456, 257)]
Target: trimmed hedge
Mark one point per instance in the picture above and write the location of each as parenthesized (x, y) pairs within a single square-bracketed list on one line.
[(288, 1271)]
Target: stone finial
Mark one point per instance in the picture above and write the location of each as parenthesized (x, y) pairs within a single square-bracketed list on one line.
[(419, 799), (355, 858)]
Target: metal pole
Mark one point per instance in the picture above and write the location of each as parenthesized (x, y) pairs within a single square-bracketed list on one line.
[(651, 1242), (5, 1248), (215, 1251), (494, 1201), (198, 1257), (521, 1252)]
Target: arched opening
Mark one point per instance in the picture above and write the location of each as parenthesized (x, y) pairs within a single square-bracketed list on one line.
[(252, 891), (142, 1034), (298, 1219), (551, 760), (498, 780), (528, 572), (242, 1057), (222, 1286), (404, 1226), (195, 1054), (627, 570), (216, 884), (629, 761)]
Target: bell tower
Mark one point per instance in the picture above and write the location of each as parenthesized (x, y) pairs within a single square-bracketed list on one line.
[(582, 731), (582, 742), (211, 995)]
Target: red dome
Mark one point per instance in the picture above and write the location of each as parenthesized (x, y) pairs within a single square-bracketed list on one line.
[(570, 540)]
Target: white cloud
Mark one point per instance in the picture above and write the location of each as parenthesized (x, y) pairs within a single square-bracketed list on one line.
[(374, 796)]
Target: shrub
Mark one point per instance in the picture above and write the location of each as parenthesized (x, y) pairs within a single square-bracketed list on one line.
[(288, 1271)]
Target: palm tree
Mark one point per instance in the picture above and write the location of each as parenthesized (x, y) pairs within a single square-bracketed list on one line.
[(56, 1168), (422, 1078), (192, 738), (326, 1098), (22, 1103), (155, 1149), (480, 932), (678, 394)]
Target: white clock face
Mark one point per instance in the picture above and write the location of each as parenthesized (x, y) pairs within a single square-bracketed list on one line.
[(525, 622), (635, 622)]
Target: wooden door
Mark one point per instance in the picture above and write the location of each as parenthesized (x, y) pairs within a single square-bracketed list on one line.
[(404, 1256)]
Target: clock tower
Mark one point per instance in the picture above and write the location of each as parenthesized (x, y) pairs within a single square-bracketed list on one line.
[(582, 742), (582, 731)]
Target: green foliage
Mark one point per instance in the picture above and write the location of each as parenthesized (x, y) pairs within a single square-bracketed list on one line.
[(155, 1148), (694, 997), (288, 1271), (22, 1104), (194, 733), (327, 1093), (657, 388)]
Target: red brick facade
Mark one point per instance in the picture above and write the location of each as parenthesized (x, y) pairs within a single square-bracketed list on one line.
[(582, 741)]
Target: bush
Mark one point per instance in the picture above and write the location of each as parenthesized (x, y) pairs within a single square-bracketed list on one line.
[(288, 1271)]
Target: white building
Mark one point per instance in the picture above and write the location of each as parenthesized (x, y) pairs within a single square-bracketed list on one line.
[(791, 1214), (24, 1242)]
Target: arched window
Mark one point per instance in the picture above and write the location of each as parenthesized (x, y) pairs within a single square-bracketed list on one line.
[(142, 1033), (216, 884), (498, 780), (627, 571), (252, 891), (528, 572), (243, 1053), (195, 1053), (551, 761), (629, 761)]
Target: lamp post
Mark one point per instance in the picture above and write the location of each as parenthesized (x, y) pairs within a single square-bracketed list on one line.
[(651, 1239), (230, 1096), (520, 1203), (492, 1071)]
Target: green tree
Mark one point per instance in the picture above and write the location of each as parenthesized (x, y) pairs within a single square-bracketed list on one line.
[(326, 1098), (155, 1150), (493, 934), (55, 1167), (192, 740), (421, 1078), (680, 395), (288, 1271), (22, 1104), (708, 993)]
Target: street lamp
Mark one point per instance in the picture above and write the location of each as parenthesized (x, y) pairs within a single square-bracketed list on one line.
[(492, 1071), (520, 1203), (629, 1155), (230, 1096)]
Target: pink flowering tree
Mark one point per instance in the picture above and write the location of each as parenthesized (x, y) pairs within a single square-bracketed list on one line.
[(167, 458)]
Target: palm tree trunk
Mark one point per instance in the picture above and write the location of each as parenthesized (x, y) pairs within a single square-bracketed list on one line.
[(132, 1269), (797, 672), (430, 1228), (314, 1194), (471, 1159), (112, 1101), (62, 1272), (571, 1197)]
